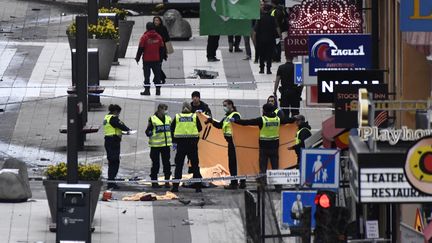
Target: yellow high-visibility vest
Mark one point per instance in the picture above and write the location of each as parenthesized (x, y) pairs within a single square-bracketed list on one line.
[(108, 129), (270, 128), (226, 125), (161, 136), (186, 126), (297, 141)]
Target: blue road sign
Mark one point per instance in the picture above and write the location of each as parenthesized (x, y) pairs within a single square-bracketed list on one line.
[(320, 168), (298, 73), (293, 204)]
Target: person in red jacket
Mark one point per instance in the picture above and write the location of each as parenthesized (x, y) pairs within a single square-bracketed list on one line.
[(150, 48)]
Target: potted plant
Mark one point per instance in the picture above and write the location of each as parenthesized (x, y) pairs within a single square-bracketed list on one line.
[(103, 36), (87, 174), (125, 28)]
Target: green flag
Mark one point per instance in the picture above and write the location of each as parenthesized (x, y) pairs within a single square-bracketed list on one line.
[(238, 9), (212, 23)]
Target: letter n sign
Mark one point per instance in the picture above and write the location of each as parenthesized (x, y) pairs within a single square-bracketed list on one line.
[(416, 15)]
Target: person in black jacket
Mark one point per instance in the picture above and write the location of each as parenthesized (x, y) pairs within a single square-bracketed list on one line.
[(163, 32), (265, 34), (273, 100), (303, 133), (198, 105), (113, 129), (231, 115)]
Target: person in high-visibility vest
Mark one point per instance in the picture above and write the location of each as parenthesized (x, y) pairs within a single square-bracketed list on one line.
[(303, 133), (269, 124), (113, 128), (160, 141), (185, 130), (231, 115)]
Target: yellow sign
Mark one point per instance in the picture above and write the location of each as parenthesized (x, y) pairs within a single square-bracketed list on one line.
[(418, 165)]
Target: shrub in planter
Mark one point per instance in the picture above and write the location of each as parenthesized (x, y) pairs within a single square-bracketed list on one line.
[(125, 28), (87, 174)]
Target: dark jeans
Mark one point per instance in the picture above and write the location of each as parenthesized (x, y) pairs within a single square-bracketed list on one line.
[(246, 39), (155, 67), (232, 159), (277, 52), (234, 40), (187, 147), (155, 154), (265, 54), (162, 75), (112, 147), (268, 153), (212, 45), (290, 99)]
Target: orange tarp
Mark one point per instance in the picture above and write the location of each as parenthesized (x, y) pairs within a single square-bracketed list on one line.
[(246, 141), (212, 147)]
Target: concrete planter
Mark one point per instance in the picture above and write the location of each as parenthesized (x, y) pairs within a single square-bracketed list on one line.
[(51, 193), (106, 48), (125, 31)]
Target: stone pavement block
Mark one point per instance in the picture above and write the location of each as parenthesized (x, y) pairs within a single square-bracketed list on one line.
[(168, 223)]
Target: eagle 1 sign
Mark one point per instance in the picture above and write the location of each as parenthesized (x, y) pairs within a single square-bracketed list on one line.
[(320, 168)]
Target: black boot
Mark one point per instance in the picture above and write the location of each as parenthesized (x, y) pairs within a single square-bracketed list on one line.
[(261, 70), (230, 49), (269, 71), (242, 184), (158, 90), (198, 186), (146, 91), (175, 187), (155, 185)]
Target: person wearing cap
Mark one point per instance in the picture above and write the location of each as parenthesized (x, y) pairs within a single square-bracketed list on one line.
[(185, 129), (113, 128), (303, 133), (268, 124), (231, 115), (198, 105), (160, 141), (151, 48)]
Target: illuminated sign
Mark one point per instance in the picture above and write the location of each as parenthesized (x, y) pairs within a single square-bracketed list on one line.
[(418, 165), (392, 135), (416, 15), (339, 52), (327, 80), (345, 116), (320, 17)]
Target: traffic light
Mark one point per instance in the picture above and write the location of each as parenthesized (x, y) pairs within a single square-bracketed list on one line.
[(324, 230), (330, 220)]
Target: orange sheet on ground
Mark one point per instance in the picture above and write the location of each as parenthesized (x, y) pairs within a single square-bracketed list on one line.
[(246, 141), (212, 146)]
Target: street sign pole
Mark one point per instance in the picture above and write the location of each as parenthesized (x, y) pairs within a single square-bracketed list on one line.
[(72, 139), (92, 11)]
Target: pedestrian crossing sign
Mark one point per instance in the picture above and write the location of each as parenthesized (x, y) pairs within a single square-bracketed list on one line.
[(320, 168)]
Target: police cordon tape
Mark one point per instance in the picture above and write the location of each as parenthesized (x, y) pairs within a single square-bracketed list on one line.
[(207, 84), (161, 101)]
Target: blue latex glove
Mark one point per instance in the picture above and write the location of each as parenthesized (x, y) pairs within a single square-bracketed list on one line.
[(232, 119), (174, 146)]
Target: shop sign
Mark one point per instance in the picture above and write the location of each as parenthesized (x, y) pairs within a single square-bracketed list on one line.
[(416, 15), (339, 53), (418, 165), (346, 115), (393, 136), (388, 185), (327, 80), (318, 17)]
